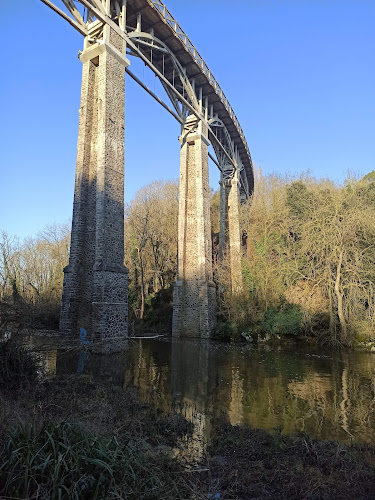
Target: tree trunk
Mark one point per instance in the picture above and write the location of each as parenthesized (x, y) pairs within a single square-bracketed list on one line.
[(332, 316), (142, 285), (340, 309)]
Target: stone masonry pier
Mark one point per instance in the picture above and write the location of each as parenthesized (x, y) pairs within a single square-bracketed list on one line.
[(194, 304), (230, 237), (96, 280)]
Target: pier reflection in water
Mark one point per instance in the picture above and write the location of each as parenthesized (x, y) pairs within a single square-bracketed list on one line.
[(43, 349), (330, 396)]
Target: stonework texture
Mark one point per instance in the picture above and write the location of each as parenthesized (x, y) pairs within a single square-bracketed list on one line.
[(194, 304), (230, 236), (96, 280)]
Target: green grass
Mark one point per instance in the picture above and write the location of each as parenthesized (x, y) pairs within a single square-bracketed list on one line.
[(68, 461)]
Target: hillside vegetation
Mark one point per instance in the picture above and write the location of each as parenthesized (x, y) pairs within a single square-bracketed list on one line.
[(308, 263)]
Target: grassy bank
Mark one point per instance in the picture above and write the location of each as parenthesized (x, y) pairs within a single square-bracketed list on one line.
[(77, 437)]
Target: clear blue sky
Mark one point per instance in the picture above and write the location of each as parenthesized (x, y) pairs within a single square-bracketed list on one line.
[(300, 75)]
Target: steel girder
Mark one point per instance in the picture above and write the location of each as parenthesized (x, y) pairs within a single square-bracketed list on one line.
[(185, 77)]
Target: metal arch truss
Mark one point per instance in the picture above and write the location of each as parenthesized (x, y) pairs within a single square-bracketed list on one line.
[(186, 97), (228, 168)]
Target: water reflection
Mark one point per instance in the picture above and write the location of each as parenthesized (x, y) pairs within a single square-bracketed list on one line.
[(190, 389), (329, 396), (44, 351), (109, 367)]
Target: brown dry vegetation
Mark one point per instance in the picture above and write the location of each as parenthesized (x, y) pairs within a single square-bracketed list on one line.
[(311, 245), (308, 269), (250, 463), (31, 277)]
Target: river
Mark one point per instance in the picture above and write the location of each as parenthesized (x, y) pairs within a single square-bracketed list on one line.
[(291, 387)]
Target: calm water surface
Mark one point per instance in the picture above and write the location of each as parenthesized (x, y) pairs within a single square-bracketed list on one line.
[(330, 395)]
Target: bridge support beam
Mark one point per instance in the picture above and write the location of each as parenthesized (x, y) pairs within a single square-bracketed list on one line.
[(194, 306), (96, 280), (229, 236)]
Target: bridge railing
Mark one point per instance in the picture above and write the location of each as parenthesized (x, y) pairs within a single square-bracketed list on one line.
[(172, 23)]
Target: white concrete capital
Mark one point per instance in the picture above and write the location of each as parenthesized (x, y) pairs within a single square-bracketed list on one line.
[(99, 48)]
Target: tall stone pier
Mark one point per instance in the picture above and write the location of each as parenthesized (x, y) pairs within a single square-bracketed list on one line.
[(194, 302), (230, 236), (94, 302)]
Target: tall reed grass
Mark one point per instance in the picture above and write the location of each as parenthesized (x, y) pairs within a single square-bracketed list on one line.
[(68, 461)]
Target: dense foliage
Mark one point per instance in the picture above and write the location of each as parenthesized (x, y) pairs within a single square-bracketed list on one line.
[(311, 245), (151, 253), (308, 266)]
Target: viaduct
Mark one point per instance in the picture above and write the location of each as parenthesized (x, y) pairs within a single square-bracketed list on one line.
[(96, 280)]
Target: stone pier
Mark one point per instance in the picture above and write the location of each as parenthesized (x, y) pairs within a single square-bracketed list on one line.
[(194, 302), (230, 236), (94, 302)]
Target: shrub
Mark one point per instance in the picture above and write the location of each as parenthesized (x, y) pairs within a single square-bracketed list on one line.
[(159, 310), (225, 330), (362, 331), (17, 366), (285, 321)]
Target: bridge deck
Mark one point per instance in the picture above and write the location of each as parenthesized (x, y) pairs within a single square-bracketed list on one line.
[(155, 16)]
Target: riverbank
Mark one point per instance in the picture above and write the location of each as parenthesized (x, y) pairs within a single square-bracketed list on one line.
[(77, 436), (74, 437)]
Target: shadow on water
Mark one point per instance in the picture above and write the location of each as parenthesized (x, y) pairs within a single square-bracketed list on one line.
[(329, 396)]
